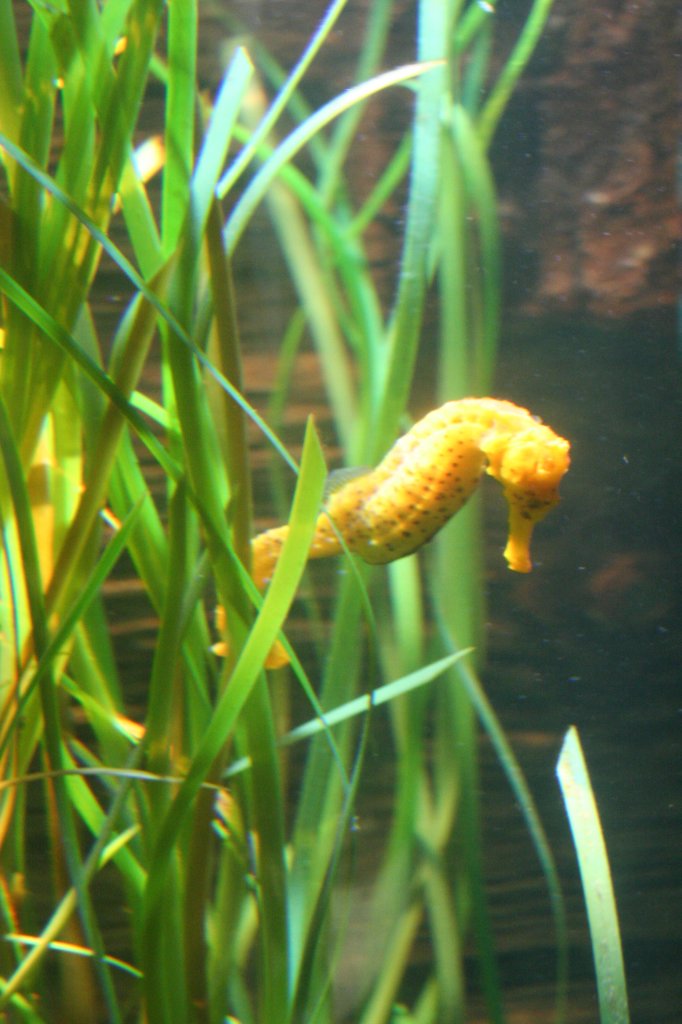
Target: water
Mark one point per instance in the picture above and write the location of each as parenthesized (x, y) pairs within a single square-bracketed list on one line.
[(592, 637)]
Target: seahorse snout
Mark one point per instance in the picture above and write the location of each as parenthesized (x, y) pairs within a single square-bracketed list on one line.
[(530, 471)]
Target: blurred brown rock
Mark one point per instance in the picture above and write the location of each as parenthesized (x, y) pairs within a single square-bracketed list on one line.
[(597, 216)]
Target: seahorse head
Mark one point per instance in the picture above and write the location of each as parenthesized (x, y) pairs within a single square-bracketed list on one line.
[(533, 462), (530, 466)]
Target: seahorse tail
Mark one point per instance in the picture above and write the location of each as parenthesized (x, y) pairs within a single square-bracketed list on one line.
[(265, 552)]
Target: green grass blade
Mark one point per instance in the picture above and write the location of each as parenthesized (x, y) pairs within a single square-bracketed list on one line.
[(14, 475), (69, 901), (162, 700), (362, 705), (480, 190), (595, 873), (72, 950), (474, 19), (117, 94), (180, 110), (345, 132), (10, 70), (313, 267), (252, 934), (523, 50), (132, 274), (48, 695), (234, 696), (384, 188), (358, 706), (56, 333), (313, 975), (139, 218), (316, 299), (19, 365), (87, 594), (406, 317), (283, 98), (301, 136), (519, 786), (216, 142)]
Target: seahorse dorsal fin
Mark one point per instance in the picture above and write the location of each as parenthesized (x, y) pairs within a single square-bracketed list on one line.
[(338, 478)]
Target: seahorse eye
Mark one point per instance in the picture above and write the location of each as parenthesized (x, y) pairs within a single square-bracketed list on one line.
[(535, 463)]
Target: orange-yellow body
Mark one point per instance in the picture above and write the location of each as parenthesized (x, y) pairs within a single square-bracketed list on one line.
[(427, 476)]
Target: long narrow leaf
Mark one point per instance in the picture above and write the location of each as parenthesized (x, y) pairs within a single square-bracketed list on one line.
[(595, 873), (87, 594), (360, 705), (132, 274), (284, 96), (61, 337), (294, 142), (510, 74), (263, 635), (536, 830), (48, 695)]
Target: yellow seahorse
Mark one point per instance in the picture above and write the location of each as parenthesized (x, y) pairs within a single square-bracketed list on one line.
[(426, 477)]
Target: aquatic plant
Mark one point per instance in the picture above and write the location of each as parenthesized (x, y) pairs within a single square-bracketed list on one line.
[(183, 810)]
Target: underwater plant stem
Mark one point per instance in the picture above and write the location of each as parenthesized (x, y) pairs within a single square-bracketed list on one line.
[(406, 316)]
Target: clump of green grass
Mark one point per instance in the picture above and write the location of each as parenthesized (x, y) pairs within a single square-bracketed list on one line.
[(227, 874)]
